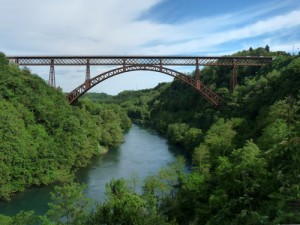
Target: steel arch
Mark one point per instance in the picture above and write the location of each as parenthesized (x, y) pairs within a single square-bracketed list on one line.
[(90, 83)]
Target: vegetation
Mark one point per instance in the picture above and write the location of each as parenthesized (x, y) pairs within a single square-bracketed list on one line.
[(42, 138), (246, 155), (246, 159), (135, 103), (245, 152), (122, 205)]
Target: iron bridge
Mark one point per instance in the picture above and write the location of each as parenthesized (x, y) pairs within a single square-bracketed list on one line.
[(136, 63)]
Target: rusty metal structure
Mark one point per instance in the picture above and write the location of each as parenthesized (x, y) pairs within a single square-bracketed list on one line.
[(136, 63)]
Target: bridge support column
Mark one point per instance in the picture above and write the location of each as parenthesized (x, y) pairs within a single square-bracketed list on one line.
[(88, 71), (124, 64), (87, 75), (233, 79), (197, 74), (51, 80), (160, 65)]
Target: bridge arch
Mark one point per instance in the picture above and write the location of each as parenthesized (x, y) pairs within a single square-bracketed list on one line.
[(206, 92)]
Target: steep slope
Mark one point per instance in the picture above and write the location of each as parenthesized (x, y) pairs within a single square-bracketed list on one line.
[(246, 153), (42, 138)]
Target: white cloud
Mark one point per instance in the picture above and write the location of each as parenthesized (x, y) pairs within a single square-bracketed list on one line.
[(204, 43), (112, 27), (91, 27)]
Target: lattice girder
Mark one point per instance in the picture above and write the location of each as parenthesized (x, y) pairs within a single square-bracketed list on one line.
[(139, 60)]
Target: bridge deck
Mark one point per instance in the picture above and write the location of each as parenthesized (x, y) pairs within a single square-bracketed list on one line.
[(139, 60)]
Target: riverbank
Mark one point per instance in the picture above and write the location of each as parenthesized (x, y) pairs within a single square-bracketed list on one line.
[(143, 152)]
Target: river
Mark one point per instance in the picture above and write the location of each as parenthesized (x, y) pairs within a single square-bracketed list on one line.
[(142, 152)]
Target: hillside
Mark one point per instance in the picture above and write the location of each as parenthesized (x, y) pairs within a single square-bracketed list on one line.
[(42, 138), (246, 152)]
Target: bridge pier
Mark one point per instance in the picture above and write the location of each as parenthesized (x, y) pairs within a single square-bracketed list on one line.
[(17, 61), (160, 65), (87, 75), (51, 80), (197, 74), (233, 78), (124, 64), (88, 71)]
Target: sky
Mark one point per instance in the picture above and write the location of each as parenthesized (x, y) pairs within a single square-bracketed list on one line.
[(143, 27)]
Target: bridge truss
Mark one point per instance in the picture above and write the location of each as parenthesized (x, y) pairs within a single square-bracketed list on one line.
[(134, 63)]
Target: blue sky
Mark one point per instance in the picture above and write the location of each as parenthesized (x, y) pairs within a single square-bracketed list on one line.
[(143, 27)]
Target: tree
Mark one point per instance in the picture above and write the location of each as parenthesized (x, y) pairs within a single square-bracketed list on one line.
[(274, 134), (267, 48), (24, 218), (201, 159), (192, 138), (219, 138), (126, 207), (249, 173), (69, 205), (177, 132)]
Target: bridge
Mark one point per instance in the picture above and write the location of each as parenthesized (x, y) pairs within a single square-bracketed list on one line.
[(137, 63)]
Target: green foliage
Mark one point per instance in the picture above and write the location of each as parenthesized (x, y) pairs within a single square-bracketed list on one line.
[(69, 205), (5, 220), (183, 134), (274, 134), (176, 132), (124, 206), (201, 159), (37, 123), (24, 218), (249, 171), (135, 103), (220, 136), (245, 153), (246, 160)]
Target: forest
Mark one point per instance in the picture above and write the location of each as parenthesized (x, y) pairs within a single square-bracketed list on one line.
[(43, 139), (246, 152)]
